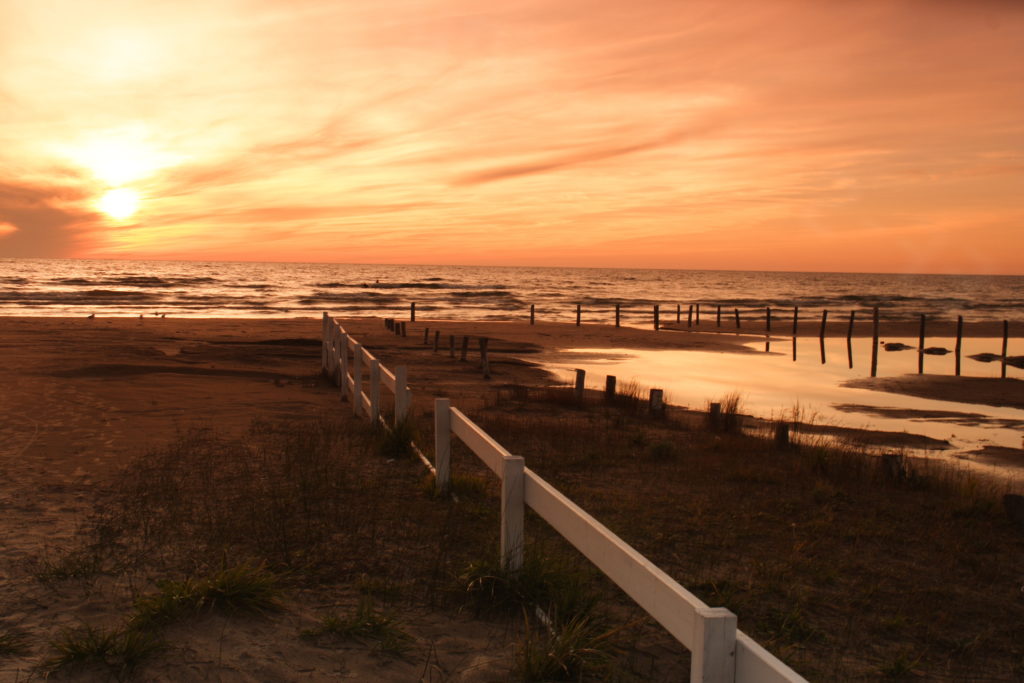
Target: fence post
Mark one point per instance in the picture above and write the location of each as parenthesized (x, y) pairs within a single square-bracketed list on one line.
[(451, 346), (412, 312), (959, 341), (657, 401), (657, 321), (374, 390), (437, 338), (578, 309), (713, 659), (1006, 336), (357, 377), (679, 313), (323, 343), (874, 342), (426, 334), (618, 311), (718, 315), (401, 394), (532, 309), (920, 347), (609, 387), (578, 389), (512, 467), (343, 357), (689, 316), (442, 444), (465, 347)]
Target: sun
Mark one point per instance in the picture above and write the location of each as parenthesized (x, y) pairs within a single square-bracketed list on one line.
[(119, 203)]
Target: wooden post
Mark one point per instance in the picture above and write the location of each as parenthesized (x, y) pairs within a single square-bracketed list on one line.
[(849, 339), (323, 343), (484, 364), (512, 505), (767, 319), (401, 394), (451, 346), (736, 312), (874, 342), (442, 444), (578, 310), (437, 338), (412, 312), (609, 387), (959, 341), (698, 315), (387, 323), (689, 316), (581, 376), (403, 329), (426, 335), (657, 322), (618, 311), (713, 658), (374, 391), (657, 401), (715, 415), (718, 316), (782, 435), (1006, 337), (343, 358), (821, 334), (532, 309), (679, 313), (796, 318), (357, 378), (920, 348), (465, 347)]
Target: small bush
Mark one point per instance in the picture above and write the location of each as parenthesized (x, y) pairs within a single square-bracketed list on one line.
[(556, 587), (118, 651), (395, 441), (564, 651)]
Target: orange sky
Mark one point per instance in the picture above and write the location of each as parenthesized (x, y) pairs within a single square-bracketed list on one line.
[(803, 135)]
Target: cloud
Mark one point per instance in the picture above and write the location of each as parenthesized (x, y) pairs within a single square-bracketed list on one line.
[(45, 219)]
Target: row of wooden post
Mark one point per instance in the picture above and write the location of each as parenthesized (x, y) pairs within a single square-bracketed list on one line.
[(655, 402), (484, 342)]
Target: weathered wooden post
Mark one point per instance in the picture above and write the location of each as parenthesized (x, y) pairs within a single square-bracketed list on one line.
[(401, 394), (581, 376), (796, 318), (874, 342), (609, 387), (512, 503), (698, 315), (403, 329), (451, 346), (736, 312), (715, 415), (442, 444), (920, 348), (484, 364), (689, 316), (617, 314), (412, 312), (959, 341), (849, 339), (718, 315), (426, 335), (374, 391), (821, 335), (782, 435), (579, 307), (657, 402), (657, 322), (437, 339), (532, 310), (679, 313), (465, 347), (357, 378), (1006, 337)]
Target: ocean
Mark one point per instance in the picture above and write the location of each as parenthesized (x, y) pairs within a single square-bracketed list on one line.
[(75, 287)]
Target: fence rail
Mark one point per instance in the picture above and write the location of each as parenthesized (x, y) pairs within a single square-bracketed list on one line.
[(720, 653)]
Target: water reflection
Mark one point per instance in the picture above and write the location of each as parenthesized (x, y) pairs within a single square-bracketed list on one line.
[(773, 386)]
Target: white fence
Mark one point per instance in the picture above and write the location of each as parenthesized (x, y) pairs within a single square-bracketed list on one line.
[(720, 652)]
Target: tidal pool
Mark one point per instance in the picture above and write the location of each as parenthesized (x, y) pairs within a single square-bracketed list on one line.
[(773, 385)]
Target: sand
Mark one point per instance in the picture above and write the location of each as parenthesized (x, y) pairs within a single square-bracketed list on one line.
[(80, 397)]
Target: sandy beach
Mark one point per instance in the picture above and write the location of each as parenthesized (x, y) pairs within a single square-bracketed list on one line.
[(81, 397)]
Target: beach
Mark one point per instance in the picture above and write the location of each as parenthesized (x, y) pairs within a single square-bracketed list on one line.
[(84, 396)]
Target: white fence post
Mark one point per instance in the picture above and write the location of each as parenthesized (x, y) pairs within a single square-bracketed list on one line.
[(512, 512), (323, 343), (343, 356), (357, 377), (401, 394), (713, 658), (442, 444), (374, 390)]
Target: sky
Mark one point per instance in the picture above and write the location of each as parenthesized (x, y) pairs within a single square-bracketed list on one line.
[(808, 135)]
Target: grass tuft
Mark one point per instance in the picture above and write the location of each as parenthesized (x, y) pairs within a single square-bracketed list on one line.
[(13, 642), (565, 651), (365, 623), (117, 651)]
